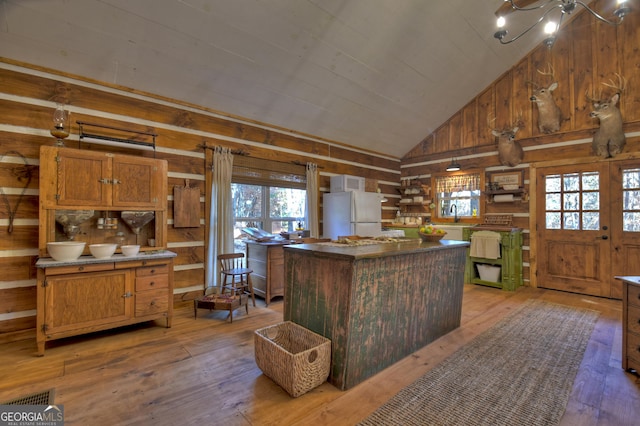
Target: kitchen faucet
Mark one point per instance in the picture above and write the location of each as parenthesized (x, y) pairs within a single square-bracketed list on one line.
[(454, 209)]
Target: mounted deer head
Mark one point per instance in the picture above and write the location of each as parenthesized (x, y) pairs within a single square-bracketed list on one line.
[(549, 115), (609, 139), (510, 152)]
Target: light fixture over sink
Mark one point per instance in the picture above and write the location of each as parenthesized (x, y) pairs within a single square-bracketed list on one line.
[(454, 166)]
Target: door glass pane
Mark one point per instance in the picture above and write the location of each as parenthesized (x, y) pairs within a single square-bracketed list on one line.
[(591, 221), (631, 200), (571, 221), (631, 222), (553, 201), (571, 182), (552, 220), (572, 201), (552, 183), (590, 181), (590, 201)]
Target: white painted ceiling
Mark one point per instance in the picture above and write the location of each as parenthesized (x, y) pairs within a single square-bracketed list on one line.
[(375, 74)]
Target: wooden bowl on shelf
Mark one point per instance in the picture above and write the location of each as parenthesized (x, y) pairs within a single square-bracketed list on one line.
[(431, 237)]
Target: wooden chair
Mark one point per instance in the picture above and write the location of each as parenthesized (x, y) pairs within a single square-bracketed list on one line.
[(235, 277)]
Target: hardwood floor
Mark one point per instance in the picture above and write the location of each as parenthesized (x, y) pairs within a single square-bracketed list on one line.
[(202, 371)]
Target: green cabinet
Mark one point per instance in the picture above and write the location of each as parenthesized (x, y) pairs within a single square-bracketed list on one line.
[(510, 261)]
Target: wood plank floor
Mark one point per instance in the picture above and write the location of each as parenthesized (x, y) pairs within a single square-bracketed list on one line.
[(202, 371)]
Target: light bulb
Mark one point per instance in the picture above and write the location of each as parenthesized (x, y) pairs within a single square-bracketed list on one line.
[(501, 21), (550, 27)]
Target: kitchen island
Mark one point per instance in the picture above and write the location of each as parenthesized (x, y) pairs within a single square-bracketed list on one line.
[(377, 303)]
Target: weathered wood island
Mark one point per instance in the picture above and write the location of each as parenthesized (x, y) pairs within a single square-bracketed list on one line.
[(377, 303)]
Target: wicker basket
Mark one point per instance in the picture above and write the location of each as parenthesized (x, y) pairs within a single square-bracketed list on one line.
[(295, 358), (431, 237)]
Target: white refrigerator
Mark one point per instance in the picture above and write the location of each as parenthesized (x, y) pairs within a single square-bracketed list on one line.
[(351, 213)]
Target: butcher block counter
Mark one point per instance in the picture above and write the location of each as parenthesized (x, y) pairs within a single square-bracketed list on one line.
[(377, 303)]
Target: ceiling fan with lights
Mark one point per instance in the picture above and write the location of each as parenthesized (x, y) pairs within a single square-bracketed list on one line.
[(551, 9)]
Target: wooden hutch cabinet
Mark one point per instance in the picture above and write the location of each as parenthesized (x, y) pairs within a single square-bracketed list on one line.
[(90, 179), (89, 294)]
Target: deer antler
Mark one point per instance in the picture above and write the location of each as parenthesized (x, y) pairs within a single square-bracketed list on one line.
[(592, 99), (619, 86), (490, 121), (549, 71)]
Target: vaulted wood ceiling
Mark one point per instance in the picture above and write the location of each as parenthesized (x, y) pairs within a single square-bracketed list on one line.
[(375, 74)]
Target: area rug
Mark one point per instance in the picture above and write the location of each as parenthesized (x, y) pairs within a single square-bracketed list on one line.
[(518, 372)]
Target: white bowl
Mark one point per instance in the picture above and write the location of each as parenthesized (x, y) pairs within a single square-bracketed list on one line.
[(65, 251), (102, 251), (130, 250)]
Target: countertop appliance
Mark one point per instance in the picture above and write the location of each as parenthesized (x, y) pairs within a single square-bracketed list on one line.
[(351, 213)]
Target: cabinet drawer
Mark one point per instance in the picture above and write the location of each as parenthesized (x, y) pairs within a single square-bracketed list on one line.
[(633, 319), (152, 270), (140, 263), (633, 294), (151, 302), (89, 267), (633, 350), (151, 282)]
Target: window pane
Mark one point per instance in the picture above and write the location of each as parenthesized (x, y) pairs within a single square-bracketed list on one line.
[(590, 181), (631, 200), (552, 183), (571, 221), (591, 221), (553, 202), (553, 220), (287, 203), (631, 179), (571, 201), (631, 221), (591, 201), (571, 182), (247, 200)]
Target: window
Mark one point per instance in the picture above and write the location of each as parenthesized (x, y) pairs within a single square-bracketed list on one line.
[(631, 200), (572, 201), (269, 195), (274, 209), (458, 195)]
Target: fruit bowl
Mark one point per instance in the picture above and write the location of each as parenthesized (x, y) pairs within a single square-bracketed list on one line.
[(102, 251), (431, 237)]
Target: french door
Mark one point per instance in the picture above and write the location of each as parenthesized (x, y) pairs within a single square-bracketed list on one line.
[(588, 226)]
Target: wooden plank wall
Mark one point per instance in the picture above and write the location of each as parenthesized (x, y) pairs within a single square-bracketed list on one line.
[(27, 101), (586, 54)]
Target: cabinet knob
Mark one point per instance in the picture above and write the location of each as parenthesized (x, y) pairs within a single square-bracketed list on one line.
[(127, 294), (153, 302), (153, 271), (152, 283)]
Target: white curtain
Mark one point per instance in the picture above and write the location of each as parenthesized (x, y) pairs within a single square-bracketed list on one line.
[(312, 200), (220, 238)]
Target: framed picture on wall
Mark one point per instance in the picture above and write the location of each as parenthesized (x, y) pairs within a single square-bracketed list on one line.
[(507, 180)]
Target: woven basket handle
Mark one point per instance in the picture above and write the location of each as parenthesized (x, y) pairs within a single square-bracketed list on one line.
[(313, 356)]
